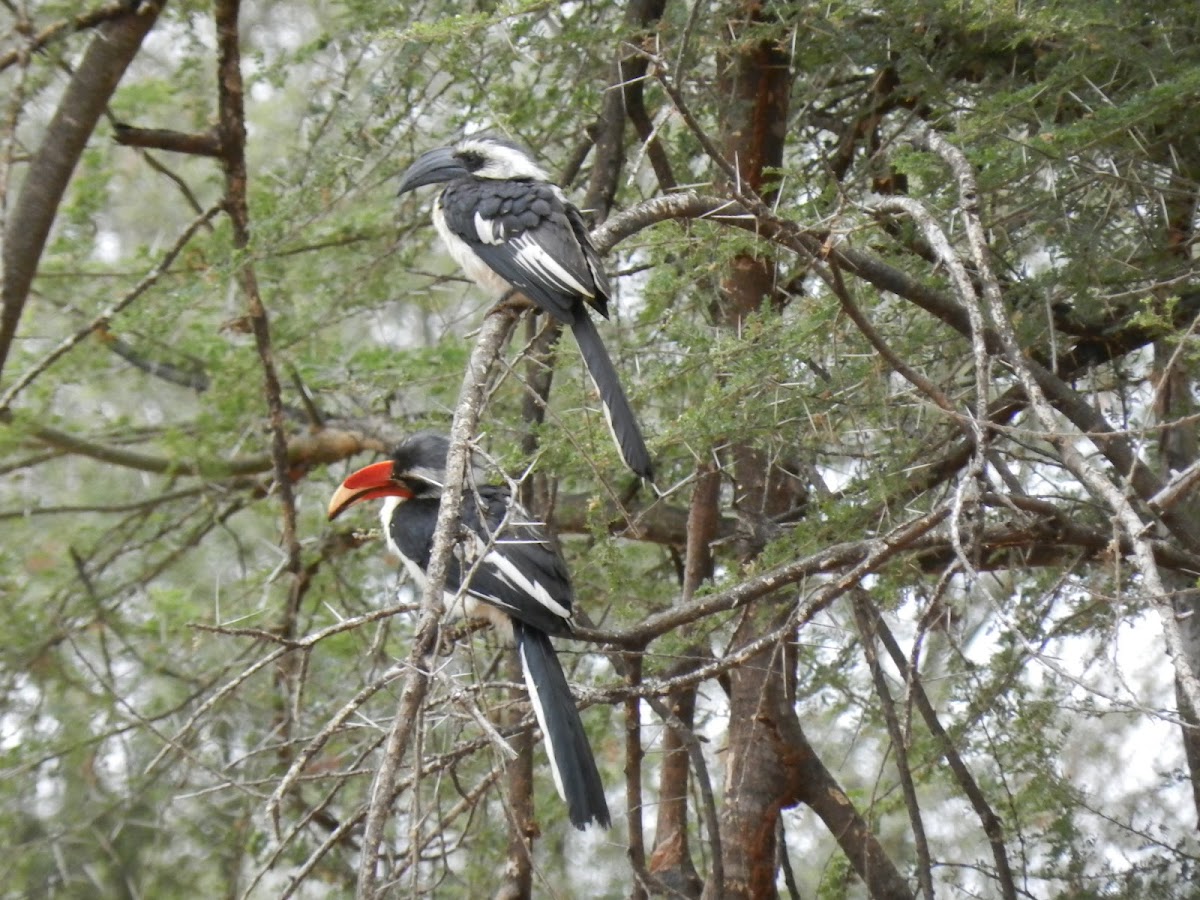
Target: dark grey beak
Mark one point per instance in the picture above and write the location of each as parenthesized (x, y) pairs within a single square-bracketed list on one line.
[(434, 167)]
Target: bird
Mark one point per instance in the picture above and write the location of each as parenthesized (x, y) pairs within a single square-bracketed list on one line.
[(514, 578), (509, 227)]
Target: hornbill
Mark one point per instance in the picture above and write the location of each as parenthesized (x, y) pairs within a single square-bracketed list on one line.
[(509, 227), (515, 579)]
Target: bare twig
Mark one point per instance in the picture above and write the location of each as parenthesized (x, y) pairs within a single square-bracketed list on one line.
[(175, 178), (634, 753), (203, 144), (232, 129), (90, 19), (314, 746), (326, 446), (181, 733), (991, 823), (1083, 468), (866, 630), (9, 141)]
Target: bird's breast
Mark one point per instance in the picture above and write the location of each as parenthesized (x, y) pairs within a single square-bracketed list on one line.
[(475, 268)]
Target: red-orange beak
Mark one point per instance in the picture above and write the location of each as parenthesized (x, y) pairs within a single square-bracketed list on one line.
[(368, 483)]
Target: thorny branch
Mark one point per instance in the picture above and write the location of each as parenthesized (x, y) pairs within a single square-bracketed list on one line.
[(900, 747), (232, 129), (1084, 469), (492, 336), (325, 446), (992, 826)]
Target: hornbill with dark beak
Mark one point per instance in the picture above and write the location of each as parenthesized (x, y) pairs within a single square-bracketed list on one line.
[(514, 578), (509, 226)]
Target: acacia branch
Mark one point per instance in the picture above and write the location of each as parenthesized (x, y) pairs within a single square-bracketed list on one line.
[(991, 823), (177, 739), (194, 379), (831, 559), (623, 96), (492, 336), (863, 615), (829, 800), (745, 210), (205, 143), (683, 205), (176, 179), (326, 446), (63, 27), (232, 129), (671, 860), (634, 755), (1083, 468)]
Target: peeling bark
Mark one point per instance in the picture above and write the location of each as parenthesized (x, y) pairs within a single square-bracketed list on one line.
[(761, 778)]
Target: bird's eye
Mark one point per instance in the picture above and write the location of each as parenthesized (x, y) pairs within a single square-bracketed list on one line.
[(471, 160)]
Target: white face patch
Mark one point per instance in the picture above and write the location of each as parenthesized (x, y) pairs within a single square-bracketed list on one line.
[(386, 511), (501, 162)]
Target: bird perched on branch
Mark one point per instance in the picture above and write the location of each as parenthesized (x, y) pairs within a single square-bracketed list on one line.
[(514, 578), (509, 227)]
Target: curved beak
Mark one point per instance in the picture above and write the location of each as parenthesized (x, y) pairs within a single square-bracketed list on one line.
[(368, 483), (433, 167)]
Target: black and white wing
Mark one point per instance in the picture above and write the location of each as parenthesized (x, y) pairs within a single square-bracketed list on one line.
[(571, 760), (515, 568), (533, 239), (530, 236)]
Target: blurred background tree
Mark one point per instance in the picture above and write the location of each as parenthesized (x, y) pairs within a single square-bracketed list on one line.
[(906, 299)]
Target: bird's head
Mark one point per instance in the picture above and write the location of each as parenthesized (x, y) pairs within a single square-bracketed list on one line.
[(417, 469), (482, 156)]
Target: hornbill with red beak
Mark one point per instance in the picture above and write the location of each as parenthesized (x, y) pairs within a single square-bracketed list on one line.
[(515, 579), (509, 226)]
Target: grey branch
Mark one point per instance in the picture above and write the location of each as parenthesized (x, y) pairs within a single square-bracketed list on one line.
[(492, 336)]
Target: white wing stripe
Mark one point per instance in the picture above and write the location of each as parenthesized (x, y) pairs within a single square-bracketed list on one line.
[(540, 714), (534, 259), (489, 230), (508, 571)]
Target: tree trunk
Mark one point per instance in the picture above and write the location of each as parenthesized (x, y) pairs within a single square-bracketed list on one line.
[(109, 53), (756, 79), (1178, 449), (760, 777)]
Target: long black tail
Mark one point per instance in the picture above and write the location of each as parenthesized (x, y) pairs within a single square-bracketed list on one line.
[(621, 420), (571, 761)]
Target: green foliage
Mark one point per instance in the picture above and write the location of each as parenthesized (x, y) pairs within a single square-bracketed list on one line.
[(136, 746)]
